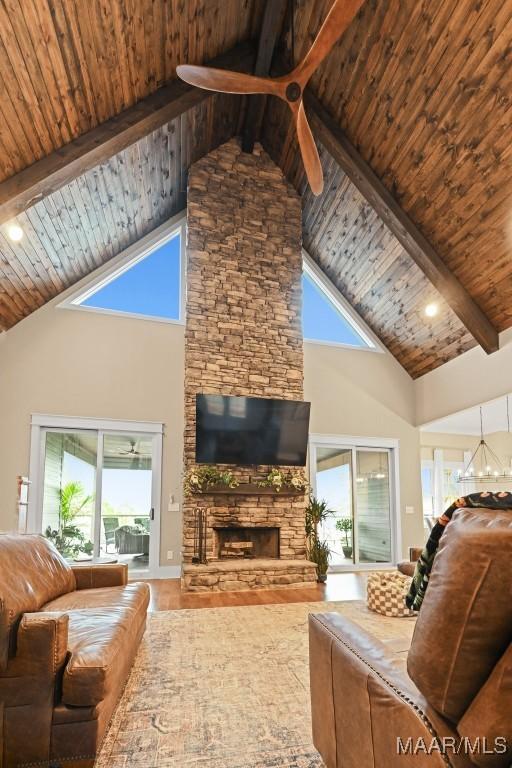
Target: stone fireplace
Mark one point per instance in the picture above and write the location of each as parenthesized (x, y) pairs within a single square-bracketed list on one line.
[(243, 337)]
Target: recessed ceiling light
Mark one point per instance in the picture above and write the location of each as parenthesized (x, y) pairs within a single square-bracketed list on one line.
[(431, 310), (15, 232)]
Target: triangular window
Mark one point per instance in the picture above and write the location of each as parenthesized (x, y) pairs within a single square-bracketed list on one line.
[(326, 316), (147, 284)]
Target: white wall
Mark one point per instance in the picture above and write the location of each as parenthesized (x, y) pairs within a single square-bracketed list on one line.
[(470, 379), (77, 363)]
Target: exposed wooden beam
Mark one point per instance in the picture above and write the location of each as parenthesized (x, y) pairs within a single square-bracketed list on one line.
[(96, 146), (396, 219), (273, 19)]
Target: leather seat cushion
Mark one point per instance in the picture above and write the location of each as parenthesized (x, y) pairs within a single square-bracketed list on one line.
[(135, 596), (104, 627)]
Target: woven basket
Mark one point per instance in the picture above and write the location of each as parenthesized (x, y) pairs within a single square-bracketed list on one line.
[(386, 594)]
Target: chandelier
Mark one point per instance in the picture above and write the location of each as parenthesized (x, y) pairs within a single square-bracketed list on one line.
[(484, 465)]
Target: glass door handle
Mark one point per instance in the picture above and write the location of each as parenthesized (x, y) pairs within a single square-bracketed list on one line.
[(152, 513)]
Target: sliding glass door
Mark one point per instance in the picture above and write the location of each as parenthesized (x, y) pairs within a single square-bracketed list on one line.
[(96, 491), (358, 485), (334, 485), (126, 482)]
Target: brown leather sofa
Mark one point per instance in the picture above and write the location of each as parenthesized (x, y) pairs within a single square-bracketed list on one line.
[(452, 691), (68, 638)]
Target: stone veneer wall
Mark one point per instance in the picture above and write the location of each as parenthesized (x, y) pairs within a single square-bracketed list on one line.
[(243, 334)]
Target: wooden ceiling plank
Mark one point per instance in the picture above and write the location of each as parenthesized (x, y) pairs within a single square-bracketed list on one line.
[(94, 147), (271, 28), (92, 182), (64, 21), (54, 70), (60, 237), (393, 61), (51, 265), (21, 94), (20, 152), (26, 37), (367, 34), (89, 231), (120, 161), (71, 218), (407, 93), (38, 217), (453, 145), (111, 196), (402, 227), (432, 105), (31, 276)]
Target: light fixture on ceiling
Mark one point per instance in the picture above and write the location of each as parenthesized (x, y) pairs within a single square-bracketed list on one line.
[(14, 232), (484, 465), (431, 310)]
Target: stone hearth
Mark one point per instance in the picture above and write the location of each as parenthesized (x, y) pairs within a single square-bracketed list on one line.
[(248, 574), (243, 336)]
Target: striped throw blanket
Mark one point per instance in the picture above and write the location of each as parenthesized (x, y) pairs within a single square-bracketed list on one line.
[(486, 500)]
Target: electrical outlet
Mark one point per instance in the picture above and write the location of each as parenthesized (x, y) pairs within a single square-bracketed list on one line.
[(170, 554)]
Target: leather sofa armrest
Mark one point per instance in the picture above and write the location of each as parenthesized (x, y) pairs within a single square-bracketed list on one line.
[(94, 576), (42, 643), (29, 687), (362, 699)]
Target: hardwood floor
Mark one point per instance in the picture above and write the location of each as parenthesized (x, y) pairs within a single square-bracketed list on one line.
[(166, 594)]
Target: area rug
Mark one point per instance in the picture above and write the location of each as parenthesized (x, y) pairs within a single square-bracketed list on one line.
[(227, 688)]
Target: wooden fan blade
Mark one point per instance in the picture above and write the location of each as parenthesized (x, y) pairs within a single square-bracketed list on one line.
[(309, 152), (337, 20), (225, 81)]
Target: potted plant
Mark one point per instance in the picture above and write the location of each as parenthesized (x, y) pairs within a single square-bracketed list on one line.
[(344, 525), (69, 539), (318, 551)]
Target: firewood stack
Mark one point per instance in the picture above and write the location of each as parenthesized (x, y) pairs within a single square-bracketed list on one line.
[(237, 549)]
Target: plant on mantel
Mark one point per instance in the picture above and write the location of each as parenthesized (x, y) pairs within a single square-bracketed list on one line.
[(201, 479), (207, 477), (279, 480)]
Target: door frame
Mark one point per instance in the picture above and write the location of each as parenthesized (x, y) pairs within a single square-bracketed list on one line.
[(353, 443), (41, 423)]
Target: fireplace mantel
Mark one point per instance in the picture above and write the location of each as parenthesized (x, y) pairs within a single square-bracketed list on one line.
[(248, 489)]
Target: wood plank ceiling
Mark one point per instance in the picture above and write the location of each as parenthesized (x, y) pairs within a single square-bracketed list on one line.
[(69, 65), (421, 87), (87, 222), (66, 67)]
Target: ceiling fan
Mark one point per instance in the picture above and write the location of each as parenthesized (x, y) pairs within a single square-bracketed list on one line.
[(130, 452), (289, 87)]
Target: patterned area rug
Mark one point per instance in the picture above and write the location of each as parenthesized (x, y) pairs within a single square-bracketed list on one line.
[(227, 688)]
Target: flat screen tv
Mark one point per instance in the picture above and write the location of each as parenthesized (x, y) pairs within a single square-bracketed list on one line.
[(251, 430)]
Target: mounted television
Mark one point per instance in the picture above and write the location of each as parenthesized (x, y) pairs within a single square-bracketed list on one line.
[(251, 430)]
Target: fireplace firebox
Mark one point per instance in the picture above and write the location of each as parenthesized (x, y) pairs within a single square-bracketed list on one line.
[(236, 542)]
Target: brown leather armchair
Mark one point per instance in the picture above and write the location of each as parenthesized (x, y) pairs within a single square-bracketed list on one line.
[(68, 638), (449, 702)]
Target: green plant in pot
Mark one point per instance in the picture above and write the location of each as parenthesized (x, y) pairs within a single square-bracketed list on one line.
[(344, 526), (69, 539), (318, 551)]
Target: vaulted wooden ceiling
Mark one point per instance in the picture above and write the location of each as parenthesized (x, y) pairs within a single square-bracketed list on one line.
[(422, 89)]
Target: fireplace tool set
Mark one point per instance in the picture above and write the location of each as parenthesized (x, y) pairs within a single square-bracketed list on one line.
[(200, 529)]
